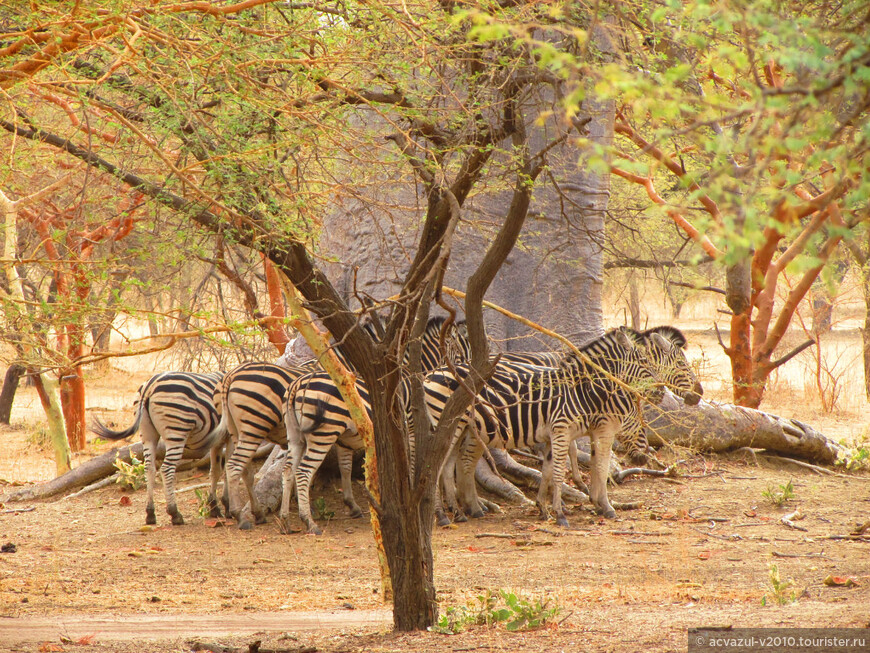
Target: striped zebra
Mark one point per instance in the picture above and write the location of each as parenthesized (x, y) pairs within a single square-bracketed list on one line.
[(250, 401), (528, 406), (253, 402), (664, 347), (176, 407), (316, 418)]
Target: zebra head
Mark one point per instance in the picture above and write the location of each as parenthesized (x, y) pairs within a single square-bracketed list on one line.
[(458, 344), (457, 348), (666, 349)]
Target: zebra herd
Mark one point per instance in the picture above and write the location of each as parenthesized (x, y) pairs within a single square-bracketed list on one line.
[(540, 401)]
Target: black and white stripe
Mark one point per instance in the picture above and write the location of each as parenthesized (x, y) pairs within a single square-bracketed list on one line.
[(178, 408), (528, 406), (317, 418), (251, 399)]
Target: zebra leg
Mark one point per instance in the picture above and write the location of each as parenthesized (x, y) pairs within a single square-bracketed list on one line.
[(150, 440), (150, 478), (575, 467), (237, 467), (472, 450), (295, 450), (559, 456), (546, 481), (256, 507), (225, 495), (170, 462), (345, 466), (602, 441), (315, 452), (214, 474), (446, 489)]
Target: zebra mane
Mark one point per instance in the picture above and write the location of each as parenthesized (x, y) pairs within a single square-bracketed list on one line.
[(671, 333), (593, 349), (438, 321)]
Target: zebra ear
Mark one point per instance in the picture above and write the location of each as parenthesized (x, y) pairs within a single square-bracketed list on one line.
[(624, 340), (661, 342)]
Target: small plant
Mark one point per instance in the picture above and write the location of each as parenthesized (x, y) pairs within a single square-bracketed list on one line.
[(323, 514), (779, 497), (526, 614), (203, 509), (518, 613), (779, 589), (130, 475), (854, 457)]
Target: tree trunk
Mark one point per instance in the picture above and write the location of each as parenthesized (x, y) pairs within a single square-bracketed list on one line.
[(7, 395), (47, 391), (406, 528), (865, 331), (634, 302), (72, 400), (719, 428), (275, 330)]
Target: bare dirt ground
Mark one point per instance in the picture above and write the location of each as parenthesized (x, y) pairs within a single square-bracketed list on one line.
[(86, 576)]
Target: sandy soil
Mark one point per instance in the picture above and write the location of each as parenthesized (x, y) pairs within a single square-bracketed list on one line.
[(698, 554), (86, 575)]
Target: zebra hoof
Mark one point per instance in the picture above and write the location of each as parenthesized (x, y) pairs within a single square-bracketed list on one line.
[(459, 517), (260, 519), (314, 530), (245, 525), (356, 513), (177, 520), (607, 513), (442, 520), (283, 525), (562, 521), (150, 518)]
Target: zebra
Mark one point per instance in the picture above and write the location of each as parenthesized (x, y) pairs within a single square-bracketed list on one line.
[(176, 407), (316, 418), (250, 400), (253, 402), (524, 405), (663, 345)]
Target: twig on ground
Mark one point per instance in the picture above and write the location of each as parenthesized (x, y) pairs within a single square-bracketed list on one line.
[(851, 538), (253, 647), (93, 486), (779, 554), (627, 505), (506, 536), (17, 510), (814, 468), (729, 538)]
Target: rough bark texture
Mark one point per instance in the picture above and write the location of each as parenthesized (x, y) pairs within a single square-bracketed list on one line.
[(7, 395), (718, 428)]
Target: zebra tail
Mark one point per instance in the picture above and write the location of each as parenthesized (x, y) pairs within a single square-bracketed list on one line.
[(315, 420), (104, 431), (219, 433)]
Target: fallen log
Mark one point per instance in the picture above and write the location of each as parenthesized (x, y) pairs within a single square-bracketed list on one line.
[(523, 475), (95, 469), (88, 472), (724, 427)]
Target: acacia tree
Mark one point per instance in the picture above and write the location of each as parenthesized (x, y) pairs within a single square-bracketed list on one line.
[(753, 119), (243, 118)]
